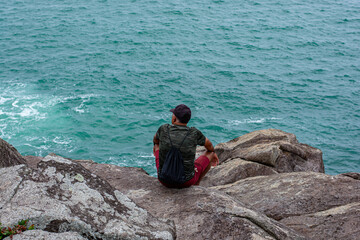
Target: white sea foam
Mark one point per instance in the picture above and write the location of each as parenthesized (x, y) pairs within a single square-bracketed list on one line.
[(252, 120), (31, 138), (79, 108), (28, 112), (54, 100), (58, 140), (2, 128), (31, 111), (42, 147), (40, 150), (14, 104), (162, 116), (4, 100), (30, 106), (84, 98)]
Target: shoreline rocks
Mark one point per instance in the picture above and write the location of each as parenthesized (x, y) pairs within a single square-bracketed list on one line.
[(274, 148), (261, 153), (267, 186)]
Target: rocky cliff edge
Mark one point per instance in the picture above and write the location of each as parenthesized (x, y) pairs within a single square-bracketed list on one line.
[(267, 186)]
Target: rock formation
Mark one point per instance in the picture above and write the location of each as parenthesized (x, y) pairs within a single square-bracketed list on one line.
[(293, 194), (9, 156), (267, 186), (62, 196), (198, 212), (273, 148), (259, 153)]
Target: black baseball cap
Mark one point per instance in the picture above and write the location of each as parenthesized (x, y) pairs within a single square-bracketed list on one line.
[(182, 112)]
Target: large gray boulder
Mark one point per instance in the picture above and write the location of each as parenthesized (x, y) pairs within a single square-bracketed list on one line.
[(9, 156), (292, 194), (234, 170), (261, 153), (335, 223), (316, 205), (274, 148), (62, 196), (198, 212)]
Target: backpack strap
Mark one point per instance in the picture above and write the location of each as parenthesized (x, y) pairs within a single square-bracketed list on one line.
[(182, 140)]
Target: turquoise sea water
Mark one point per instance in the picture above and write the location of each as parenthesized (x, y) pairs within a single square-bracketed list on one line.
[(95, 79)]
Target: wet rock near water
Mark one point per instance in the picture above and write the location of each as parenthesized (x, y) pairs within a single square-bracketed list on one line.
[(267, 186)]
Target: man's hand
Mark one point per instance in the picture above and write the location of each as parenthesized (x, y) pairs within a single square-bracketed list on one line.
[(215, 160)]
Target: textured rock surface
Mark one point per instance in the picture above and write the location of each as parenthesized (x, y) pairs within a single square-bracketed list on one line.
[(336, 223), (199, 213), (273, 148), (43, 235), (248, 196), (234, 170), (291, 194), (63, 196), (316, 205), (33, 161), (9, 156), (9, 182)]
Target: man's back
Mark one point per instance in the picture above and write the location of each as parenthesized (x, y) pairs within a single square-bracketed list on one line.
[(194, 170), (188, 148)]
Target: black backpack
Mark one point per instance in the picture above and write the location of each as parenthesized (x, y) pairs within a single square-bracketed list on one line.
[(172, 171)]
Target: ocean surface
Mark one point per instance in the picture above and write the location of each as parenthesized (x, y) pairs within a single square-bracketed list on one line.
[(95, 79)]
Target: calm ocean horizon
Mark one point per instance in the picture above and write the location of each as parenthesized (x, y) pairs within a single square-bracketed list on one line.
[(95, 79)]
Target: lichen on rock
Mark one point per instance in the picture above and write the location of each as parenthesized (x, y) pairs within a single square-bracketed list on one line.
[(59, 202)]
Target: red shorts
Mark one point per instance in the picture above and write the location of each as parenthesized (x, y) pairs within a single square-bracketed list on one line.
[(200, 164)]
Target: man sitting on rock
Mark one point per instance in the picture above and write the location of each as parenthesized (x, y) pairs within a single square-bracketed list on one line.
[(184, 138)]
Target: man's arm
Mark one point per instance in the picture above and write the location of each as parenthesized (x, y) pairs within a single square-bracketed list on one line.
[(208, 145), (156, 142), (210, 148)]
